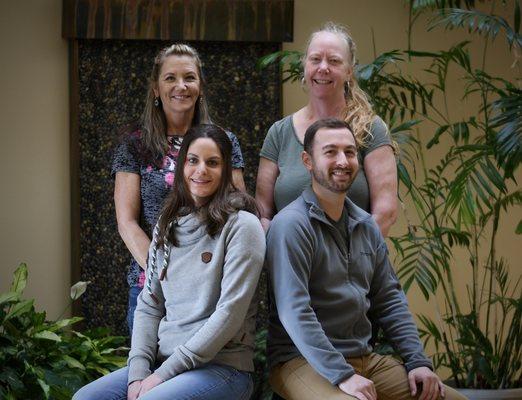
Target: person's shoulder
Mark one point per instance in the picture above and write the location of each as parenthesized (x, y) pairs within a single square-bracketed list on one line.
[(363, 221), (378, 126), (282, 124), (247, 218), (246, 227), (294, 214)]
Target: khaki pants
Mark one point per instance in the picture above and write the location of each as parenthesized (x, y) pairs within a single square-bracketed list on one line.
[(297, 380)]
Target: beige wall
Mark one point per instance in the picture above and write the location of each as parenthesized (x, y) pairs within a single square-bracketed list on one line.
[(34, 150)]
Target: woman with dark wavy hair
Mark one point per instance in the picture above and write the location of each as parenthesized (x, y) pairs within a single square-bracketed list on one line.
[(144, 163), (195, 320)]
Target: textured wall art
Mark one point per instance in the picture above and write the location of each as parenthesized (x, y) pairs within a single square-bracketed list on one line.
[(112, 80)]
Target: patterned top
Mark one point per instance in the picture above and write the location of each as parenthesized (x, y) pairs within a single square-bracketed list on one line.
[(155, 183)]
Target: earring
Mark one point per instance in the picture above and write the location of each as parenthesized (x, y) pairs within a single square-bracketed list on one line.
[(346, 88), (201, 100), (156, 101)]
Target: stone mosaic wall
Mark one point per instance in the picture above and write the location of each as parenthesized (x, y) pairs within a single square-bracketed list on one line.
[(112, 85)]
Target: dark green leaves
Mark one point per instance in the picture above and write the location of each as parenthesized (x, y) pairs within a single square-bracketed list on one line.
[(478, 22), (44, 359)]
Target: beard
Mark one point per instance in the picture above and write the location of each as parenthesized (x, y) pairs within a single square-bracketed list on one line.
[(326, 180)]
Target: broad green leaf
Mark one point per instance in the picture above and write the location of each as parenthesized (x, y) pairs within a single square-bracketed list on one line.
[(45, 387), (9, 296), (72, 362), (63, 323), (47, 335), (19, 308), (19, 279), (78, 289)]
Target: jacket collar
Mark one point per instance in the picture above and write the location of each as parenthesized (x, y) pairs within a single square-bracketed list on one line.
[(356, 215)]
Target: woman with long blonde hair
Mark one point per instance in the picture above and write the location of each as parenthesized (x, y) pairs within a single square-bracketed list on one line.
[(329, 62)]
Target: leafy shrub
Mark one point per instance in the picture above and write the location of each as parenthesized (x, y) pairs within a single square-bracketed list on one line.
[(47, 359)]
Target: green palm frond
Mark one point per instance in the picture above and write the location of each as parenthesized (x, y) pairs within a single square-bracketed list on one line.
[(508, 120), (477, 22), (422, 5), (289, 60)]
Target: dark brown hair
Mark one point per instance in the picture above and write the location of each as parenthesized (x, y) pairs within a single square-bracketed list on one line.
[(329, 123), (227, 199)]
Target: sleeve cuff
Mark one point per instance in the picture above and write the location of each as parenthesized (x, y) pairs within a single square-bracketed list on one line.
[(139, 369), (417, 364), (343, 377)]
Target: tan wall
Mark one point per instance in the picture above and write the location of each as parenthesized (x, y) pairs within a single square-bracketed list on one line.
[(34, 150), (389, 22)]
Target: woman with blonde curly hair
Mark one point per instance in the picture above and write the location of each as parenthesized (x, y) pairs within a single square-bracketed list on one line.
[(329, 62)]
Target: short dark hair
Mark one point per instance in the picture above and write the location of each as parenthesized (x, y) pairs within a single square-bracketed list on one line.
[(330, 123)]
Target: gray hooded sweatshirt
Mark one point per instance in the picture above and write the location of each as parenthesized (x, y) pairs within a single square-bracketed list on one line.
[(205, 311)]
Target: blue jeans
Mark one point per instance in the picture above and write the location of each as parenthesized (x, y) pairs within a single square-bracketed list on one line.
[(134, 292), (210, 382)]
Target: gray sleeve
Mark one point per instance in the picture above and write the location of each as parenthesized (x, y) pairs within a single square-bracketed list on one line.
[(244, 255), (271, 145), (379, 137), (148, 314), (289, 259), (389, 309)]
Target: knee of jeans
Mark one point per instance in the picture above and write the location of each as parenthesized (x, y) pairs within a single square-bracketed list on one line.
[(81, 394)]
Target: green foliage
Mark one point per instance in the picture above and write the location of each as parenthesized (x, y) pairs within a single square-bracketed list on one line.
[(46, 359), (460, 201), (262, 388)]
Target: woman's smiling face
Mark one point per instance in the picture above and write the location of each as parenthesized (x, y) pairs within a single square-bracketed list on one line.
[(179, 85), (203, 170), (326, 66)]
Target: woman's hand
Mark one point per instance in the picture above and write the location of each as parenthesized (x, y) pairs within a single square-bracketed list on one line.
[(149, 383), (133, 390)]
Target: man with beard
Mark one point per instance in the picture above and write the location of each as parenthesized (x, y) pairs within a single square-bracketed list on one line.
[(330, 280)]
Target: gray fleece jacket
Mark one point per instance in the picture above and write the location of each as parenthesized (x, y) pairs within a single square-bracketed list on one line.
[(326, 293), (205, 310)]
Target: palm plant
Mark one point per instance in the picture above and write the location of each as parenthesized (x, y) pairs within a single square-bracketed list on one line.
[(461, 200)]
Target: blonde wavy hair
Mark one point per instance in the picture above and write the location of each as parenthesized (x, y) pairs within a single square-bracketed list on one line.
[(358, 111)]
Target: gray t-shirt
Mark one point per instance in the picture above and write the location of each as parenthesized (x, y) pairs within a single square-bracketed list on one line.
[(282, 146)]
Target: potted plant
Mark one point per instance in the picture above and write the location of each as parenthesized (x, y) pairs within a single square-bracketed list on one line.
[(460, 200), (46, 359)]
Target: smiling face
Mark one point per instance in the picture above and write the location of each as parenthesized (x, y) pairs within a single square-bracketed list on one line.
[(178, 85), (326, 67), (203, 170), (333, 160)]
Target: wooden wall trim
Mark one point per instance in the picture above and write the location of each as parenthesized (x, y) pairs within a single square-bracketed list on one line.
[(216, 20)]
